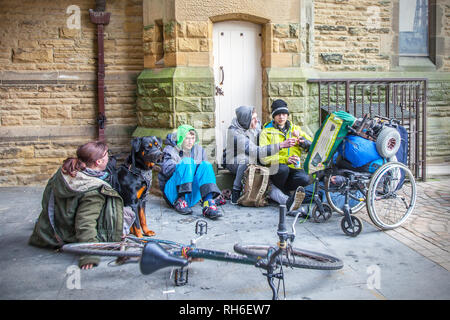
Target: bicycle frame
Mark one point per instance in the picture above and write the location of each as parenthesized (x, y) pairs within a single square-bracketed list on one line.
[(155, 254), (191, 250), (270, 263)]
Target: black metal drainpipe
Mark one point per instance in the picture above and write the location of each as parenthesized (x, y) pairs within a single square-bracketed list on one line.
[(100, 18)]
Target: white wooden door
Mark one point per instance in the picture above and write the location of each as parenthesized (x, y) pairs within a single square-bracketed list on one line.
[(237, 73)]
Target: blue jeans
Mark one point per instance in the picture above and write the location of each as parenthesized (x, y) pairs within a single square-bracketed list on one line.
[(193, 180), (337, 198)]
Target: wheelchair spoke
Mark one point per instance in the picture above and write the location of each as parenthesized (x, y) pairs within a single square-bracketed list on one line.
[(391, 195)]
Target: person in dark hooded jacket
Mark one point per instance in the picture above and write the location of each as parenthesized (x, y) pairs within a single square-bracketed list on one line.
[(186, 176), (242, 146)]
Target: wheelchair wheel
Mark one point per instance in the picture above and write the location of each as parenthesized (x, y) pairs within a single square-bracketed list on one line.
[(330, 189), (391, 196), (354, 230)]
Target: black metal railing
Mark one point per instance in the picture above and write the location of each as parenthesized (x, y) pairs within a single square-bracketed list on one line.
[(404, 99)]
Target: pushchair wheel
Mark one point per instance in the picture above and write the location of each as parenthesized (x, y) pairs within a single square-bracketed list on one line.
[(352, 229), (323, 216)]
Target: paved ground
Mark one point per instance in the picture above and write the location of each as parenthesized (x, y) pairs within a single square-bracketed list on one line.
[(410, 262), (427, 231)]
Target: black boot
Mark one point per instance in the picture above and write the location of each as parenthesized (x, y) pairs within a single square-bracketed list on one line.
[(235, 194)]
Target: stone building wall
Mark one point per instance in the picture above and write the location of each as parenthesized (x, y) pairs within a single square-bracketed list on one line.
[(352, 35), (48, 83), (159, 60), (445, 33), (358, 39)]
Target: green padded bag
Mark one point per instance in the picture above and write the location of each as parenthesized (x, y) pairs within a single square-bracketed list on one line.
[(327, 139)]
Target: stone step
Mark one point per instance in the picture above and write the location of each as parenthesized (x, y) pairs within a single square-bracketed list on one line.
[(224, 179)]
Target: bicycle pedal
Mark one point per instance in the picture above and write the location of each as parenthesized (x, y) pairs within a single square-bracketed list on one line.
[(201, 227), (181, 277)]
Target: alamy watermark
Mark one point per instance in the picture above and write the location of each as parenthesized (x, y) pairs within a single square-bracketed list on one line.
[(74, 20), (373, 17), (73, 277), (374, 278)]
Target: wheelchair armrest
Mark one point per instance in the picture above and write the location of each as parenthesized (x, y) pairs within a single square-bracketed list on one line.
[(349, 173)]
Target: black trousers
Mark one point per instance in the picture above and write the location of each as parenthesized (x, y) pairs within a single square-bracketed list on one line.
[(288, 179)]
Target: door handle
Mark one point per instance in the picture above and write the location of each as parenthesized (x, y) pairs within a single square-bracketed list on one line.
[(223, 75)]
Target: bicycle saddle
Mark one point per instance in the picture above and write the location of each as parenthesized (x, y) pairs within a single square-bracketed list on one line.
[(154, 257)]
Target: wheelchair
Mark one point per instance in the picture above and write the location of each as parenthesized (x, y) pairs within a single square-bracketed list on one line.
[(389, 192)]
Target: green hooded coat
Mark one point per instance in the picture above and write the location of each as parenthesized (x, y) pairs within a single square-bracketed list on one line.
[(79, 209)]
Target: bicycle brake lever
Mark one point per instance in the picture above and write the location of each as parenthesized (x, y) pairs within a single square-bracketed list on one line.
[(291, 237)]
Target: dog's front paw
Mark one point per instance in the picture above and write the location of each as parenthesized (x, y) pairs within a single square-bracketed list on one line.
[(156, 168), (149, 233)]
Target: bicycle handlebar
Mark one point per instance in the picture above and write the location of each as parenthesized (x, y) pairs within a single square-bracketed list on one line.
[(282, 231), (269, 263)]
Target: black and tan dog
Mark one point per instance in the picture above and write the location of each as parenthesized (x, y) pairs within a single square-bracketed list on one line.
[(134, 178)]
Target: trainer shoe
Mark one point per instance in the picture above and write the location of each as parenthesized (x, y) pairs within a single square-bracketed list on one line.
[(181, 207), (295, 200), (220, 200), (235, 194), (210, 210)]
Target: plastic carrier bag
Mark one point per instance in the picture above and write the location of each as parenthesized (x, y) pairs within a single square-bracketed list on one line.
[(327, 139)]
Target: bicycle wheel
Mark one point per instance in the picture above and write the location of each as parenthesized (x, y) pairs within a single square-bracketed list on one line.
[(297, 258), (391, 196), (109, 249), (331, 190), (128, 248)]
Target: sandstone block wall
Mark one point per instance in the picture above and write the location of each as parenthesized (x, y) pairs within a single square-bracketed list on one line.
[(48, 90), (48, 69), (363, 35), (359, 39), (351, 35)]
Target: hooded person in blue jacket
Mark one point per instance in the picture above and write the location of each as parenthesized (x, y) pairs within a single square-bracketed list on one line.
[(186, 176)]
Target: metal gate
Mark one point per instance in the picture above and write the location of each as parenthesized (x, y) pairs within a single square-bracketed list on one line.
[(402, 99)]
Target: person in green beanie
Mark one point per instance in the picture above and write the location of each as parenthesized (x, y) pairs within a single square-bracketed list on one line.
[(186, 176)]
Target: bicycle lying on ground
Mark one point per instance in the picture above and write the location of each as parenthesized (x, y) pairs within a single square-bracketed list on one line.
[(154, 254)]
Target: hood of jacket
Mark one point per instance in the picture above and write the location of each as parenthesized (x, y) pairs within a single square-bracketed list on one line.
[(244, 116), (66, 186), (182, 132)]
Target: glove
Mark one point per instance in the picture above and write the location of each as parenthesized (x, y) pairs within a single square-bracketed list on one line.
[(305, 144)]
